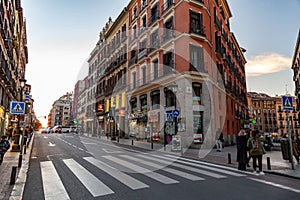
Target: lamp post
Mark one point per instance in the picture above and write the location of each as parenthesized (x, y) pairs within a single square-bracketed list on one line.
[(22, 84)]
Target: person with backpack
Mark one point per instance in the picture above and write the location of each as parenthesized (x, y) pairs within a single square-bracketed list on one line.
[(4, 146), (255, 144)]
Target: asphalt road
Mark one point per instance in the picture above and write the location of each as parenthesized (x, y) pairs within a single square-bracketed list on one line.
[(66, 166)]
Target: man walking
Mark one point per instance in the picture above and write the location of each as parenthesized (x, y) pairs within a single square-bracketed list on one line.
[(4, 146)]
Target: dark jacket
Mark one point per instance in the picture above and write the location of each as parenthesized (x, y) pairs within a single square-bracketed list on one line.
[(241, 143), (4, 146)]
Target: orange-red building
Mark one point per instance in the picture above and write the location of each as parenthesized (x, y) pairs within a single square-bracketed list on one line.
[(185, 72)]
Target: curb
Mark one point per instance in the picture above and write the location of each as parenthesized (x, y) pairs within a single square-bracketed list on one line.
[(18, 189)]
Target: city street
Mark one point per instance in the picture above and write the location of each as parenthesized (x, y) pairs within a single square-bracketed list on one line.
[(67, 166)]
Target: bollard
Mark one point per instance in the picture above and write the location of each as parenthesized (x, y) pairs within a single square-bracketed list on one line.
[(151, 145), (229, 158), (132, 142), (268, 163), (13, 175)]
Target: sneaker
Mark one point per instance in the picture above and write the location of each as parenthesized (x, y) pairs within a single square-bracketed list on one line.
[(261, 173)]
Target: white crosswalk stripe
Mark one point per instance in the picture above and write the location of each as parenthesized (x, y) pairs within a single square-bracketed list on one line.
[(144, 171), (200, 171), (52, 185), (120, 176), (92, 184), (201, 166), (167, 169)]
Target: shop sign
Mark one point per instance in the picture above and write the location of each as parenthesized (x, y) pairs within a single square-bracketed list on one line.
[(198, 138), (1, 112)]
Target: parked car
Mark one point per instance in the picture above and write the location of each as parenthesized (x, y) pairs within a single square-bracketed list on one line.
[(45, 130), (65, 129), (56, 129), (73, 129)]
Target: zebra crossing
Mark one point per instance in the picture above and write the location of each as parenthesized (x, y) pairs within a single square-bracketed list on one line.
[(150, 166)]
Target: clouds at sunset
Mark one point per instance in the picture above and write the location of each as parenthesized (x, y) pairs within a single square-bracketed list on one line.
[(268, 63)]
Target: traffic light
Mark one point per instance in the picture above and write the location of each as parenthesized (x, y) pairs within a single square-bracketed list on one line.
[(75, 121), (253, 121)]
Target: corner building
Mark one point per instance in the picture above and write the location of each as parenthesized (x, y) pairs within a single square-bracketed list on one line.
[(185, 72)]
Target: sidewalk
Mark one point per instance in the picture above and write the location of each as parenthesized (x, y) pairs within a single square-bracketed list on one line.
[(277, 164), (11, 159)]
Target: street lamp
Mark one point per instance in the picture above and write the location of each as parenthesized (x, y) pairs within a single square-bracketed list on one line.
[(22, 84)]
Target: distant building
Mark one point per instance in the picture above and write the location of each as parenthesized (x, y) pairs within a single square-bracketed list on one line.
[(61, 110), (267, 115)]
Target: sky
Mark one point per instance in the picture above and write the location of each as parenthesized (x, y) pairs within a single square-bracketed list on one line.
[(62, 33)]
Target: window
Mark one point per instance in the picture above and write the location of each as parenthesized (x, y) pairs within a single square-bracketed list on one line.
[(155, 69), (133, 104), (196, 23), (155, 99), (143, 75), (170, 98), (196, 58), (168, 62), (198, 122), (154, 13), (133, 80), (197, 91), (143, 101)]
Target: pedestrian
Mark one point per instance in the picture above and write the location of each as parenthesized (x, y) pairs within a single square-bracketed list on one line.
[(4, 146), (219, 142), (298, 145), (255, 144), (241, 143), (10, 132), (295, 149), (249, 135)]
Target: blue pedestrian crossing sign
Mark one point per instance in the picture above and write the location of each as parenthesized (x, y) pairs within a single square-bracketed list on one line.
[(17, 108), (287, 103)]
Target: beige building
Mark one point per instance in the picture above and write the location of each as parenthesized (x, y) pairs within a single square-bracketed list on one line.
[(269, 115)]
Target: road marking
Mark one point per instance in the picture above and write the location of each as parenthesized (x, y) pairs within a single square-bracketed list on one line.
[(199, 171), (50, 144), (52, 185), (167, 169), (275, 185), (192, 163), (92, 183), (156, 176), (120, 176), (111, 151)]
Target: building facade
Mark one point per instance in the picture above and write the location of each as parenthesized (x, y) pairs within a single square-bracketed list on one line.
[(13, 58), (296, 70), (181, 78), (267, 115), (61, 110)]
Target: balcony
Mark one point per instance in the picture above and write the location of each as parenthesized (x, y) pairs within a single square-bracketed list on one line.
[(142, 54), (168, 35)]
